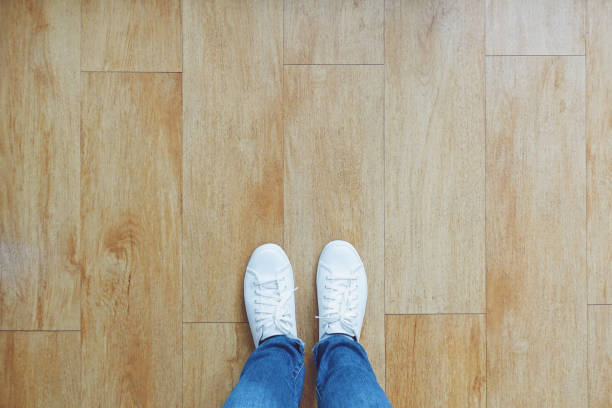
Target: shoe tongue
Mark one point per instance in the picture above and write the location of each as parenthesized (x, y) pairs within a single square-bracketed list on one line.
[(277, 328)]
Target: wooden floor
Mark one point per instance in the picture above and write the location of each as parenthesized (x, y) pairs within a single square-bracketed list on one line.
[(464, 148)]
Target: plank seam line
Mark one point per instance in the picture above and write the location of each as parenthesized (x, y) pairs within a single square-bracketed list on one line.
[(215, 322), (379, 65), (437, 314), (40, 331), (135, 72), (534, 55)]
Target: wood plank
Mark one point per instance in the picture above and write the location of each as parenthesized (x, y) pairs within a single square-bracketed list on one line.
[(40, 369), (131, 220), (125, 35), (436, 360), (213, 357), (599, 151), (434, 154), (232, 164), (544, 27), (39, 165), (536, 217), (600, 356), (333, 128), (334, 32)]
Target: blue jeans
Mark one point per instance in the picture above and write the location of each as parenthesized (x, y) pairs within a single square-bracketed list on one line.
[(274, 375)]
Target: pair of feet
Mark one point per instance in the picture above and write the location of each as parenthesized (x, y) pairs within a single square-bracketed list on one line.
[(342, 291)]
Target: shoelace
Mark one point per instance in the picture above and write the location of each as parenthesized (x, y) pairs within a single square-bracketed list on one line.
[(272, 296), (341, 299)]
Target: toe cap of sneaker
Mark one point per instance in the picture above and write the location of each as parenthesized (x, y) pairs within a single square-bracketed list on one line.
[(268, 258), (340, 254)]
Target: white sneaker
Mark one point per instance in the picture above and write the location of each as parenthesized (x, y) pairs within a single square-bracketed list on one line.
[(342, 290), (268, 294)]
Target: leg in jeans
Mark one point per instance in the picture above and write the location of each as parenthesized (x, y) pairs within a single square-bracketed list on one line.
[(272, 377), (344, 375)]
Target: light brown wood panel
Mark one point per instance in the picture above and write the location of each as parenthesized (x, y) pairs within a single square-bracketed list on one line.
[(213, 357), (232, 163), (434, 149), (436, 360), (536, 217), (334, 32), (600, 356), (128, 35), (40, 369), (39, 165), (131, 229), (333, 126), (543, 27), (599, 151)]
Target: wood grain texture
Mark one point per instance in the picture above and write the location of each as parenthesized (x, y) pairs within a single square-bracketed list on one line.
[(334, 32), (600, 356), (333, 126), (599, 151), (436, 360), (536, 217), (39, 165), (233, 198), (544, 27), (128, 35), (40, 369), (213, 357), (434, 150), (131, 229)]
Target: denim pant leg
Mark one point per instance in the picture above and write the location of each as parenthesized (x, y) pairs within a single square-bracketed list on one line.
[(344, 375), (273, 376)]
